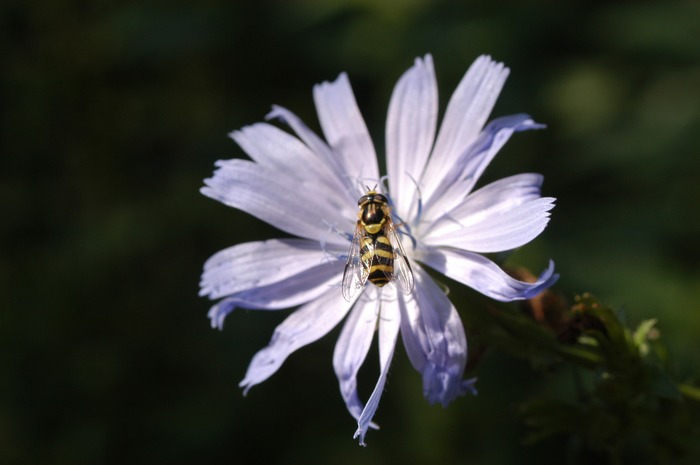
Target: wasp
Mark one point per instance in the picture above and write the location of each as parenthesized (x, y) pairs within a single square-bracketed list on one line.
[(376, 254)]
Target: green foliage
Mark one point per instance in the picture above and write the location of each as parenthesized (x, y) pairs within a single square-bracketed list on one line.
[(628, 404)]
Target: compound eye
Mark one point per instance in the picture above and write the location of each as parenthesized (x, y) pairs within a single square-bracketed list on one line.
[(363, 199), (380, 198)]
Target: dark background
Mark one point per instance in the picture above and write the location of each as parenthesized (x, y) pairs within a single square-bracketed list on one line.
[(113, 113)]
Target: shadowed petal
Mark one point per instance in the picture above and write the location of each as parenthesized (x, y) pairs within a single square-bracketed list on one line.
[(306, 325), (482, 274), (470, 165), (465, 116), (434, 338), (344, 128), (351, 350), (389, 323), (276, 199), (410, 131)]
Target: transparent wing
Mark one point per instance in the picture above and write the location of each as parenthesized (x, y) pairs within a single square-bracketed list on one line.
[(403, 275), (355, 274)]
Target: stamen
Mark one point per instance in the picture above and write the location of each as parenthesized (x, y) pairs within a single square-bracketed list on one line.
[(419, 199), (332, 228), (330, 257)]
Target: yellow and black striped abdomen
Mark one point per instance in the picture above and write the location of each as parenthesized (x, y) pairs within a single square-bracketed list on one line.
[(378, 259)]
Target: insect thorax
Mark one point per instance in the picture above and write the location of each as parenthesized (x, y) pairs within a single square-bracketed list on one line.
[(373, 217)]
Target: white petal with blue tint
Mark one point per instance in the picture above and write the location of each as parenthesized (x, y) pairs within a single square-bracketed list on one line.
[(470, 165), (289, 292), (435, 341), (496, 231), (280, 151), (351, 350), (255, 264), (410, 132), (306, 325), (465, 116), (389, 324), (501, 195), (345, 129), (325, 154), (276, 199), (480, 273), (500, 216), (490, 141)]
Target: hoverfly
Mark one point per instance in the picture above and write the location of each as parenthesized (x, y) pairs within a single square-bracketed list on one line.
[(376, 254)]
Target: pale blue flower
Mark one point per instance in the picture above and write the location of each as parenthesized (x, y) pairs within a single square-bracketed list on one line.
[(308, 187)]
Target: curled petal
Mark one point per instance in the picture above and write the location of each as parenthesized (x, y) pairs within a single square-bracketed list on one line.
[(389, 323), (471, 163), (490, 141), (434, 338), (351, 350), (410, 131), (344, 128), (480, 273), (270, 196), (306, 325)]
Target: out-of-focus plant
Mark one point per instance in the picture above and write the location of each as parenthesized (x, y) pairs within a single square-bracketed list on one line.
[(628, 406)]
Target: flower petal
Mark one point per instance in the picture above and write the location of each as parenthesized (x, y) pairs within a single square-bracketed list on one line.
[(255, 264), (276, 199), (470, 165), (286, 293), (410, 132), (494, 230), (467, 112), (351, 350), (389, 323), (482, 274), (320, 148), (500, 216), (306, 325), (270, 146), (344, 128), (434, 338)]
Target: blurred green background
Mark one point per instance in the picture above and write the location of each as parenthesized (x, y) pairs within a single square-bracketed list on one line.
[(114, 112)]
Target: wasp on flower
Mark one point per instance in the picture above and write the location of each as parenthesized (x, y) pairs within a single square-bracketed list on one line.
[(431, 177)]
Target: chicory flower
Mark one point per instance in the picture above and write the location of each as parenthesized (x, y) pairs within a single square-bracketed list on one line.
[(308, 187)]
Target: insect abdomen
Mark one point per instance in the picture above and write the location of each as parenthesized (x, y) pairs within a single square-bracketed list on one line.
[(378, 258)]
